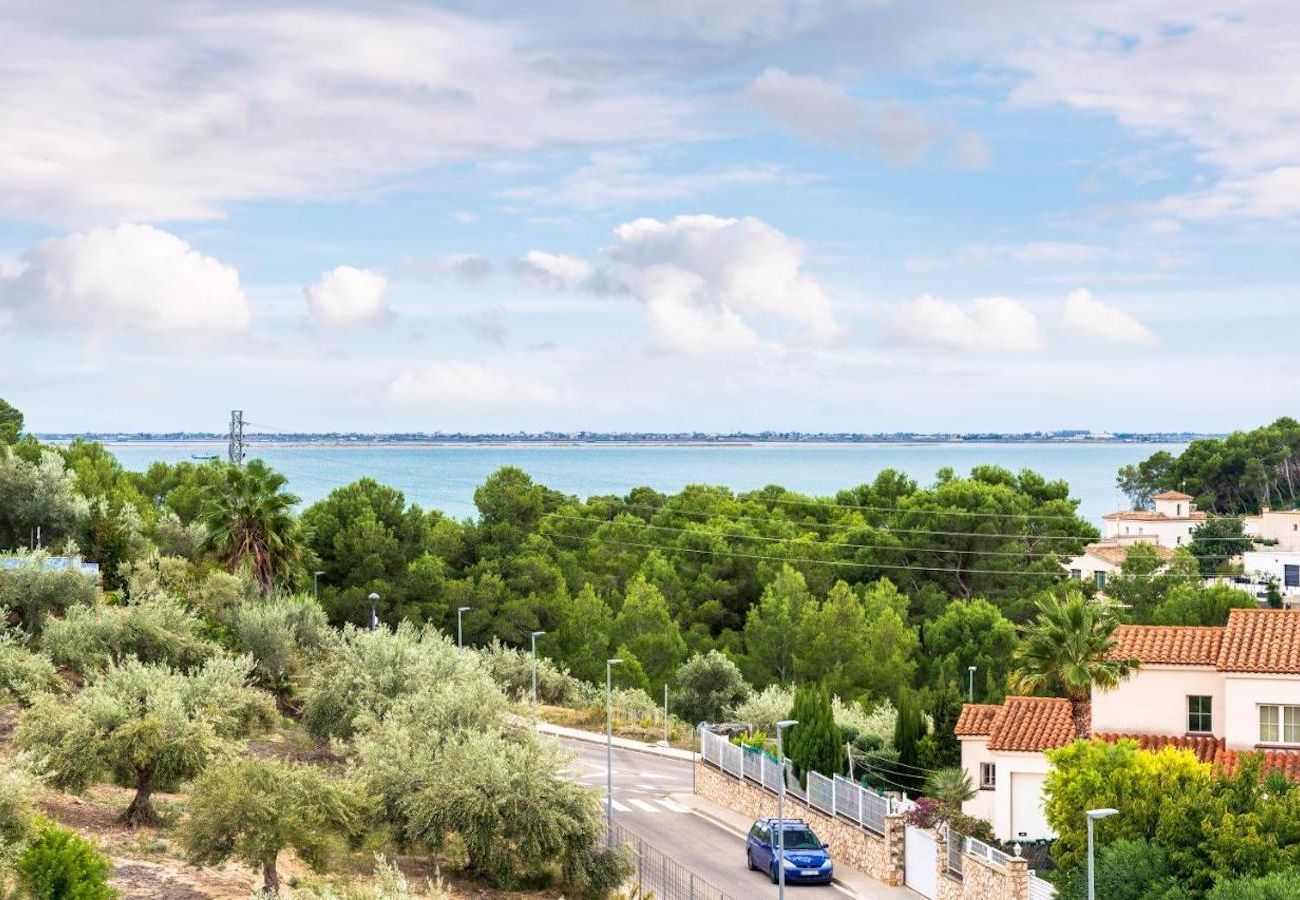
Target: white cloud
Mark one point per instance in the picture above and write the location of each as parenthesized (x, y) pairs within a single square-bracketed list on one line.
[(347, 296), (172, 111), (1093, 319), (817, 108), (467, 266), (1274, 194), (554, 270), (1032, 253), (708, 283), (971, 152), (132, 278), (620, 179), (735, 21), (457, 385), (990, 324)]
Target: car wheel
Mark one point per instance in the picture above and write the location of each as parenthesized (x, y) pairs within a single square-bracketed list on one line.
[(749, 861), (775, 878)]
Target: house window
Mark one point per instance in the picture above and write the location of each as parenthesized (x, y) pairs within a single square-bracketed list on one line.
[(1199, 718), (1279, 724), (1180, 509), (1178, 539), (988, 776), (1291, 576), (1076, 574), (1099, 579)]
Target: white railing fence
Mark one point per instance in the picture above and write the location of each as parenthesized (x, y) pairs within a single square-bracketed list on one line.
[(981, 850), (836, 796), (1040, 889), (955, 854)]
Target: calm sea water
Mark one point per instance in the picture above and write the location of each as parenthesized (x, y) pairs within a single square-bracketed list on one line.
[(444, 477)]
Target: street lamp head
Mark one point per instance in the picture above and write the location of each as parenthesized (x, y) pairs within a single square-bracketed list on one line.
[(786, 723), (612, 662), (319, 572), (373, 597), (1095, 814), (463, 608), (971, 668), (538, 633)]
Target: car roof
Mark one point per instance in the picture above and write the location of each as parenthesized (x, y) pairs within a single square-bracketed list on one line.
[(772, 821)]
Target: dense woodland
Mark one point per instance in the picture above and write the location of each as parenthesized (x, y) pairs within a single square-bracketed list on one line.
[(862, 611)]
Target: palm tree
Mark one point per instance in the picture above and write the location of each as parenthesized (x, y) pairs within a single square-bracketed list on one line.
[(1068, 650), (249, 520), (951, 786)]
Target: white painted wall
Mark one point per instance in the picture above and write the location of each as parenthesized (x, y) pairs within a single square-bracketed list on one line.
[(1168, 533), (1009, 766), (975, 750), (1028, 821), (1154, 701), (1271, 562), (1244, 693), (1088, 566), (1282, 526)]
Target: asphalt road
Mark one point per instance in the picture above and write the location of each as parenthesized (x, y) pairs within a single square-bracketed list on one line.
[(642, 783)]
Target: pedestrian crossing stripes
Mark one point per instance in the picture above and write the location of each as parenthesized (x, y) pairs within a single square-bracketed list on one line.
[(658, 805)]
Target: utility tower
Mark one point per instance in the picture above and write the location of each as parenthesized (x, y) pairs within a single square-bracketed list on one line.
[(235, 444)]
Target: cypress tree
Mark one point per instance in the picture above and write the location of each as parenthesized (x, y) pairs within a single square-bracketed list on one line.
[(908, 732), (814, 745)]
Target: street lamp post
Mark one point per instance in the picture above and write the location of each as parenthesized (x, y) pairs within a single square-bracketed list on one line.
[(609, 749), (535, 635), (970, 671), (315, 584), (665, 714), (1093, 816), (374, 614), (780, 808), (460, 632)]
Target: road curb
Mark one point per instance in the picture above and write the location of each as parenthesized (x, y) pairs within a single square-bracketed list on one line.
[(592, 737)]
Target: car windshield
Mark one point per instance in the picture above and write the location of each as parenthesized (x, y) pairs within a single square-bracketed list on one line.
[(801, 839)]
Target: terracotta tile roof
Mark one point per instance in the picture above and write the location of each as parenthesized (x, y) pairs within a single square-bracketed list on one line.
[(1261, 640), (1172, 495), (1170, 645), (1032, 724), (1146, 515), (976, 719), (1115, 554), (1285, 761), (1207, 749)]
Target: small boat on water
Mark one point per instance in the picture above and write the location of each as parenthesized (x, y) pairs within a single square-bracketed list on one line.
[(197, 456)]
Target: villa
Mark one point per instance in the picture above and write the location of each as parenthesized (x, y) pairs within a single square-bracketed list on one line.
[(1218, 691), (1171, 523)]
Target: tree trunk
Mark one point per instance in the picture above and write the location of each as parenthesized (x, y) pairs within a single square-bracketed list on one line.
[(1081, 711), (270, 878), (141, 811)]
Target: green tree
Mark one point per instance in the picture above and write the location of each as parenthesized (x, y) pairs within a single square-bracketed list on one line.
[(707, 685), (59, 864), (814, 745), (41, 493), (950, 785), (971, 633), (770, 638), (645, 627), (24, 674), (1068, 651), (154, 630), (11, 423), (909, 733), (281, 633), (1146, 578), (1193, 604), (1126, 870), (142, 725), (1219, 540), (253, 809), (1274, 886), (584, 625), (249, 520), (34, 591)]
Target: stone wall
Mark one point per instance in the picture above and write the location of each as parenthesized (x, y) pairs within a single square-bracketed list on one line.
[(881, 858)]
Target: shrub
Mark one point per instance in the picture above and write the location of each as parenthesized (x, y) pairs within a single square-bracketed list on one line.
[(364, 673), (389, 884), (153, 630), (24, 675), (708, 684), (35, 592), (219, 594), (61, 865), (512, 669), (252, 809), (143, 725), (156, 575), (764, 709), (278, 633), (17, 821), (1274, 886)]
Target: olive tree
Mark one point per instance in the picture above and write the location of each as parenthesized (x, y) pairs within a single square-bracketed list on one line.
[(708, 684), (24, 674), (143, 726), (251, 809), (33, 591), (154, 630), (279, 632), (38, 494)]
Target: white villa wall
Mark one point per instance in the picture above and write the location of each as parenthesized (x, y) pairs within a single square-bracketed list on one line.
[(1270, 563), (1088, 566), (1009, 765), (975, 750), (1154, 701), (1167, 532), (1244, 693), (1282, 526)]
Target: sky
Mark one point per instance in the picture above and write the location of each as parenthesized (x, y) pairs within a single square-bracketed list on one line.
[(845, 215)]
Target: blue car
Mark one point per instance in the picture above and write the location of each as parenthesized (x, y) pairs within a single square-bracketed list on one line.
[(806, 858)]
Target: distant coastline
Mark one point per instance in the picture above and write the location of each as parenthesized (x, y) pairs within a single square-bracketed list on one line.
[(623, 439)]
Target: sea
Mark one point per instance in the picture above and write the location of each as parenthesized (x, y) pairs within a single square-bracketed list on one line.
[(444, 476)]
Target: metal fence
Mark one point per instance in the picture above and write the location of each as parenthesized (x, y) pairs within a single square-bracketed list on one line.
[(661, 876), (981, 850), (1040, 889), (837, 796), (955, 855)]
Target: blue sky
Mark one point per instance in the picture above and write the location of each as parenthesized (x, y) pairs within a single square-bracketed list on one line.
[(795, 214)]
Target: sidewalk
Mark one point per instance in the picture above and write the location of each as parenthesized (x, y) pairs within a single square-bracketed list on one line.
[(853, 882), (577, 734)]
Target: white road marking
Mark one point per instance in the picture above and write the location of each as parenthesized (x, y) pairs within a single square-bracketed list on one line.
[(673, 806), (620, 807), (641, 805)]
